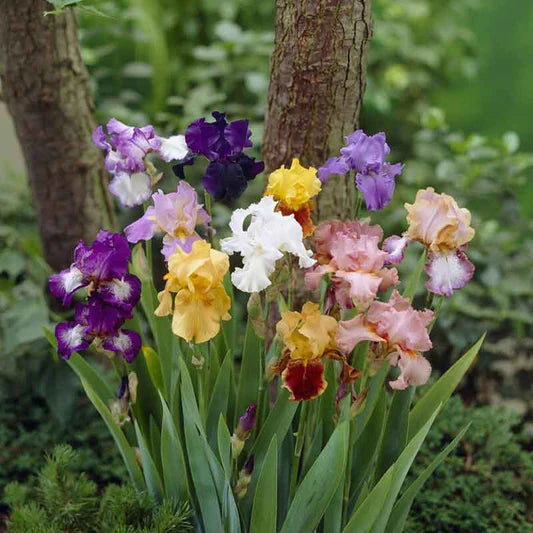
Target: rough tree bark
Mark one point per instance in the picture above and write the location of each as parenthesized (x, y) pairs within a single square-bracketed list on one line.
[(317, 81), (46, 88)]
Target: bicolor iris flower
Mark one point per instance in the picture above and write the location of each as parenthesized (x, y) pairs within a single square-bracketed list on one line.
[(349, 252), (200, 302), (308, 336), (126, 150), (437, 222), (176, 214), (294, 188), (112, 292), (222, 144), (365, 155), (398, 331), (267, 237)]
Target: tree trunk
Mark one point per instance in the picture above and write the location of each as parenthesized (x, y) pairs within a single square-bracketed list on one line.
[(46, 88), (317, 81)]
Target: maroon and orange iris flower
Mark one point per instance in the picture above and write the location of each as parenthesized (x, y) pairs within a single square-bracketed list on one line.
[(308, 337)]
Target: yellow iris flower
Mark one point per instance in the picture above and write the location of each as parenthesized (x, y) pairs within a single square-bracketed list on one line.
[(201, 302), (306, 334), (293, 187)]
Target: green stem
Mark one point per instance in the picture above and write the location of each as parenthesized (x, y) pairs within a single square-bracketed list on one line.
[(290, 296), (358, 203), (348, 474), (148, 248), (298, 446), (261, 401), (436, 310), (209, 208)]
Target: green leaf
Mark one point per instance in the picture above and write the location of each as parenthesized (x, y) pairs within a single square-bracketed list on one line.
[(365, 448), (376, 388), (414, 278), (219, 401), (277, 423), (88, 374), (403, 505), (148, 404), (151, 475), (441, 391), (327, 402), (128, 455), (250, 370), (160, 326), (395, 434), (333, 515), (264, 511), (224, 446), (154, 366), (204, 484), (172, 458), (367, 511), (320, 484), (374, 511)]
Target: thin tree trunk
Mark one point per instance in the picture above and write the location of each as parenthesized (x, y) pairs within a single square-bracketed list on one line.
[(46, 88), (317, 81)]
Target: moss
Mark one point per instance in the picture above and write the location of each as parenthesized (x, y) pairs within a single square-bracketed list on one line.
[(484, 485)]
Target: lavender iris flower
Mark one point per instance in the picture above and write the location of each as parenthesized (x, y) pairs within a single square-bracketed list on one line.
[(365, 155), (222, 144), (113, 293)]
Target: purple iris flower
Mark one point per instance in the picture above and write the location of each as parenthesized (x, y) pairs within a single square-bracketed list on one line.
[(222, 144), (365, 155), (113, 293), (104, 264)]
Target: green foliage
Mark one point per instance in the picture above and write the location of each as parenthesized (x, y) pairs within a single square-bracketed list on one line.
[(23, 274), (65, 500), (172, 69), (27, 429), (492, 178), (418, 45), (484, 485)]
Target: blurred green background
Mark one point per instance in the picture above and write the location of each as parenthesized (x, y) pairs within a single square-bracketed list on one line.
[(449, 81)]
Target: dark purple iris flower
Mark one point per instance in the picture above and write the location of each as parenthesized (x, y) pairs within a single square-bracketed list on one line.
[(365, 155), (222, 144), (113, 293)]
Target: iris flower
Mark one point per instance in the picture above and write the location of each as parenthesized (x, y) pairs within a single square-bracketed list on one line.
[(176, 214), (222, 144), (308, 336), (112, 294), (201, 302), (365, 155), (126, 150), (436, 221), (294, 188), (267, 237), (400, 333), (349, 252)]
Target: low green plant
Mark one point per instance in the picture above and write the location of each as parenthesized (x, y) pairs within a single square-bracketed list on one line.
[(65, 500), (28, 429), (485, 483)]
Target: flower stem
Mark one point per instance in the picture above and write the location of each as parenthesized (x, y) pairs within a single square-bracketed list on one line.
[(298, 446), (290, 296), (209, 208), (436, 310), (358, 202), (148, 247)]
